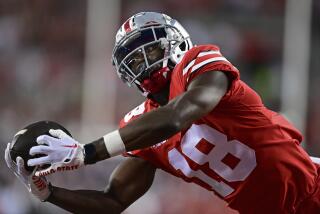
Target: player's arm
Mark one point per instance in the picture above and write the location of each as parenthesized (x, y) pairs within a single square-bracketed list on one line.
[(202, 95), (129, 181)]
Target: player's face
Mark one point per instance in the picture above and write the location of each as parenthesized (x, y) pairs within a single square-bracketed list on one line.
[(138, 64), (136, 48)]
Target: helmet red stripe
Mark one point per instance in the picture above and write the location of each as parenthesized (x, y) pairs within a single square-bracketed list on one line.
[(126, 25)]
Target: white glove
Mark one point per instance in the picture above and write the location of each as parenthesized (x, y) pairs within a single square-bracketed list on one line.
[(38, 186), (61, 150)]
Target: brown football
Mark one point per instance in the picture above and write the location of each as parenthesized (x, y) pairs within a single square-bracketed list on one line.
[(26, 138)]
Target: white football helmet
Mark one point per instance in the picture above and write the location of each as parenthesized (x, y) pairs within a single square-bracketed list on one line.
[(135, 36)]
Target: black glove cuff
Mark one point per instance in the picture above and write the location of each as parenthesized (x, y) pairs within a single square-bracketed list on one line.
[(90, 154)]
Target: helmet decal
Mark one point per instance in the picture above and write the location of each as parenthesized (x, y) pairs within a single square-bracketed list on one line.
[(127, 25)]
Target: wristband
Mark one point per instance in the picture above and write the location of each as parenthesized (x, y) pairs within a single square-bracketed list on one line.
[(114, 143)]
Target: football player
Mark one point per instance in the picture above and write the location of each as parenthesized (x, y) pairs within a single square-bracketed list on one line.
[(199, 122)]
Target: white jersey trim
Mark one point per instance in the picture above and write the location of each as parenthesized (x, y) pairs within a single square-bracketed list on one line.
[(214, 59), (185, 70), (208, 52), (198, 65)]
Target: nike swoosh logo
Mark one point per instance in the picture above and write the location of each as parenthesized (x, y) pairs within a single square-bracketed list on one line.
[(71, 146)]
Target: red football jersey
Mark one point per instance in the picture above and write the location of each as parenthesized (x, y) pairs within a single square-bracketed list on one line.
[(247, 154)]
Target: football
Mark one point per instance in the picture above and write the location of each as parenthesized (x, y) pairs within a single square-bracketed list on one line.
[(26, 138)]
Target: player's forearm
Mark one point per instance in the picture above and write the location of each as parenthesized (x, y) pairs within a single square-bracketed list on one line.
[(84, 201), (137, 135), (155, 126), (140, 133)]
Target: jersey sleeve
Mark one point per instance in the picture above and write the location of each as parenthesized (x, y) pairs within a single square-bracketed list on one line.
[(206, 58), (132, 115)]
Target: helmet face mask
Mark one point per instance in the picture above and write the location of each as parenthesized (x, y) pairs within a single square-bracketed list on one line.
[(129, 55), (145, 60), (152, 40)]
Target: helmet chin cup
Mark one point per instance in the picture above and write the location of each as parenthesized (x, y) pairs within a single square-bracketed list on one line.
[(157, 81)]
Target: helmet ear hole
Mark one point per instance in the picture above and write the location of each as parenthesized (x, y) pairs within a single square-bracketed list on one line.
[(182, 46)]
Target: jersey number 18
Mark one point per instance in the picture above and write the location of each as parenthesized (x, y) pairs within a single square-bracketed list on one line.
[(222, 147)]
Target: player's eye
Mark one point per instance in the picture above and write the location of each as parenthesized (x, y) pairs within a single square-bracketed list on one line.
[(150, 49), (134, 62), (154, 54)]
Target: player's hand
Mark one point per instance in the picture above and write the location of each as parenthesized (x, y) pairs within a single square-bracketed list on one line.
[(38, 186), (60, 150)]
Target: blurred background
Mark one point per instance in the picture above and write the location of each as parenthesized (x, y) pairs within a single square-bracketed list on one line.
[(55, 65)]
